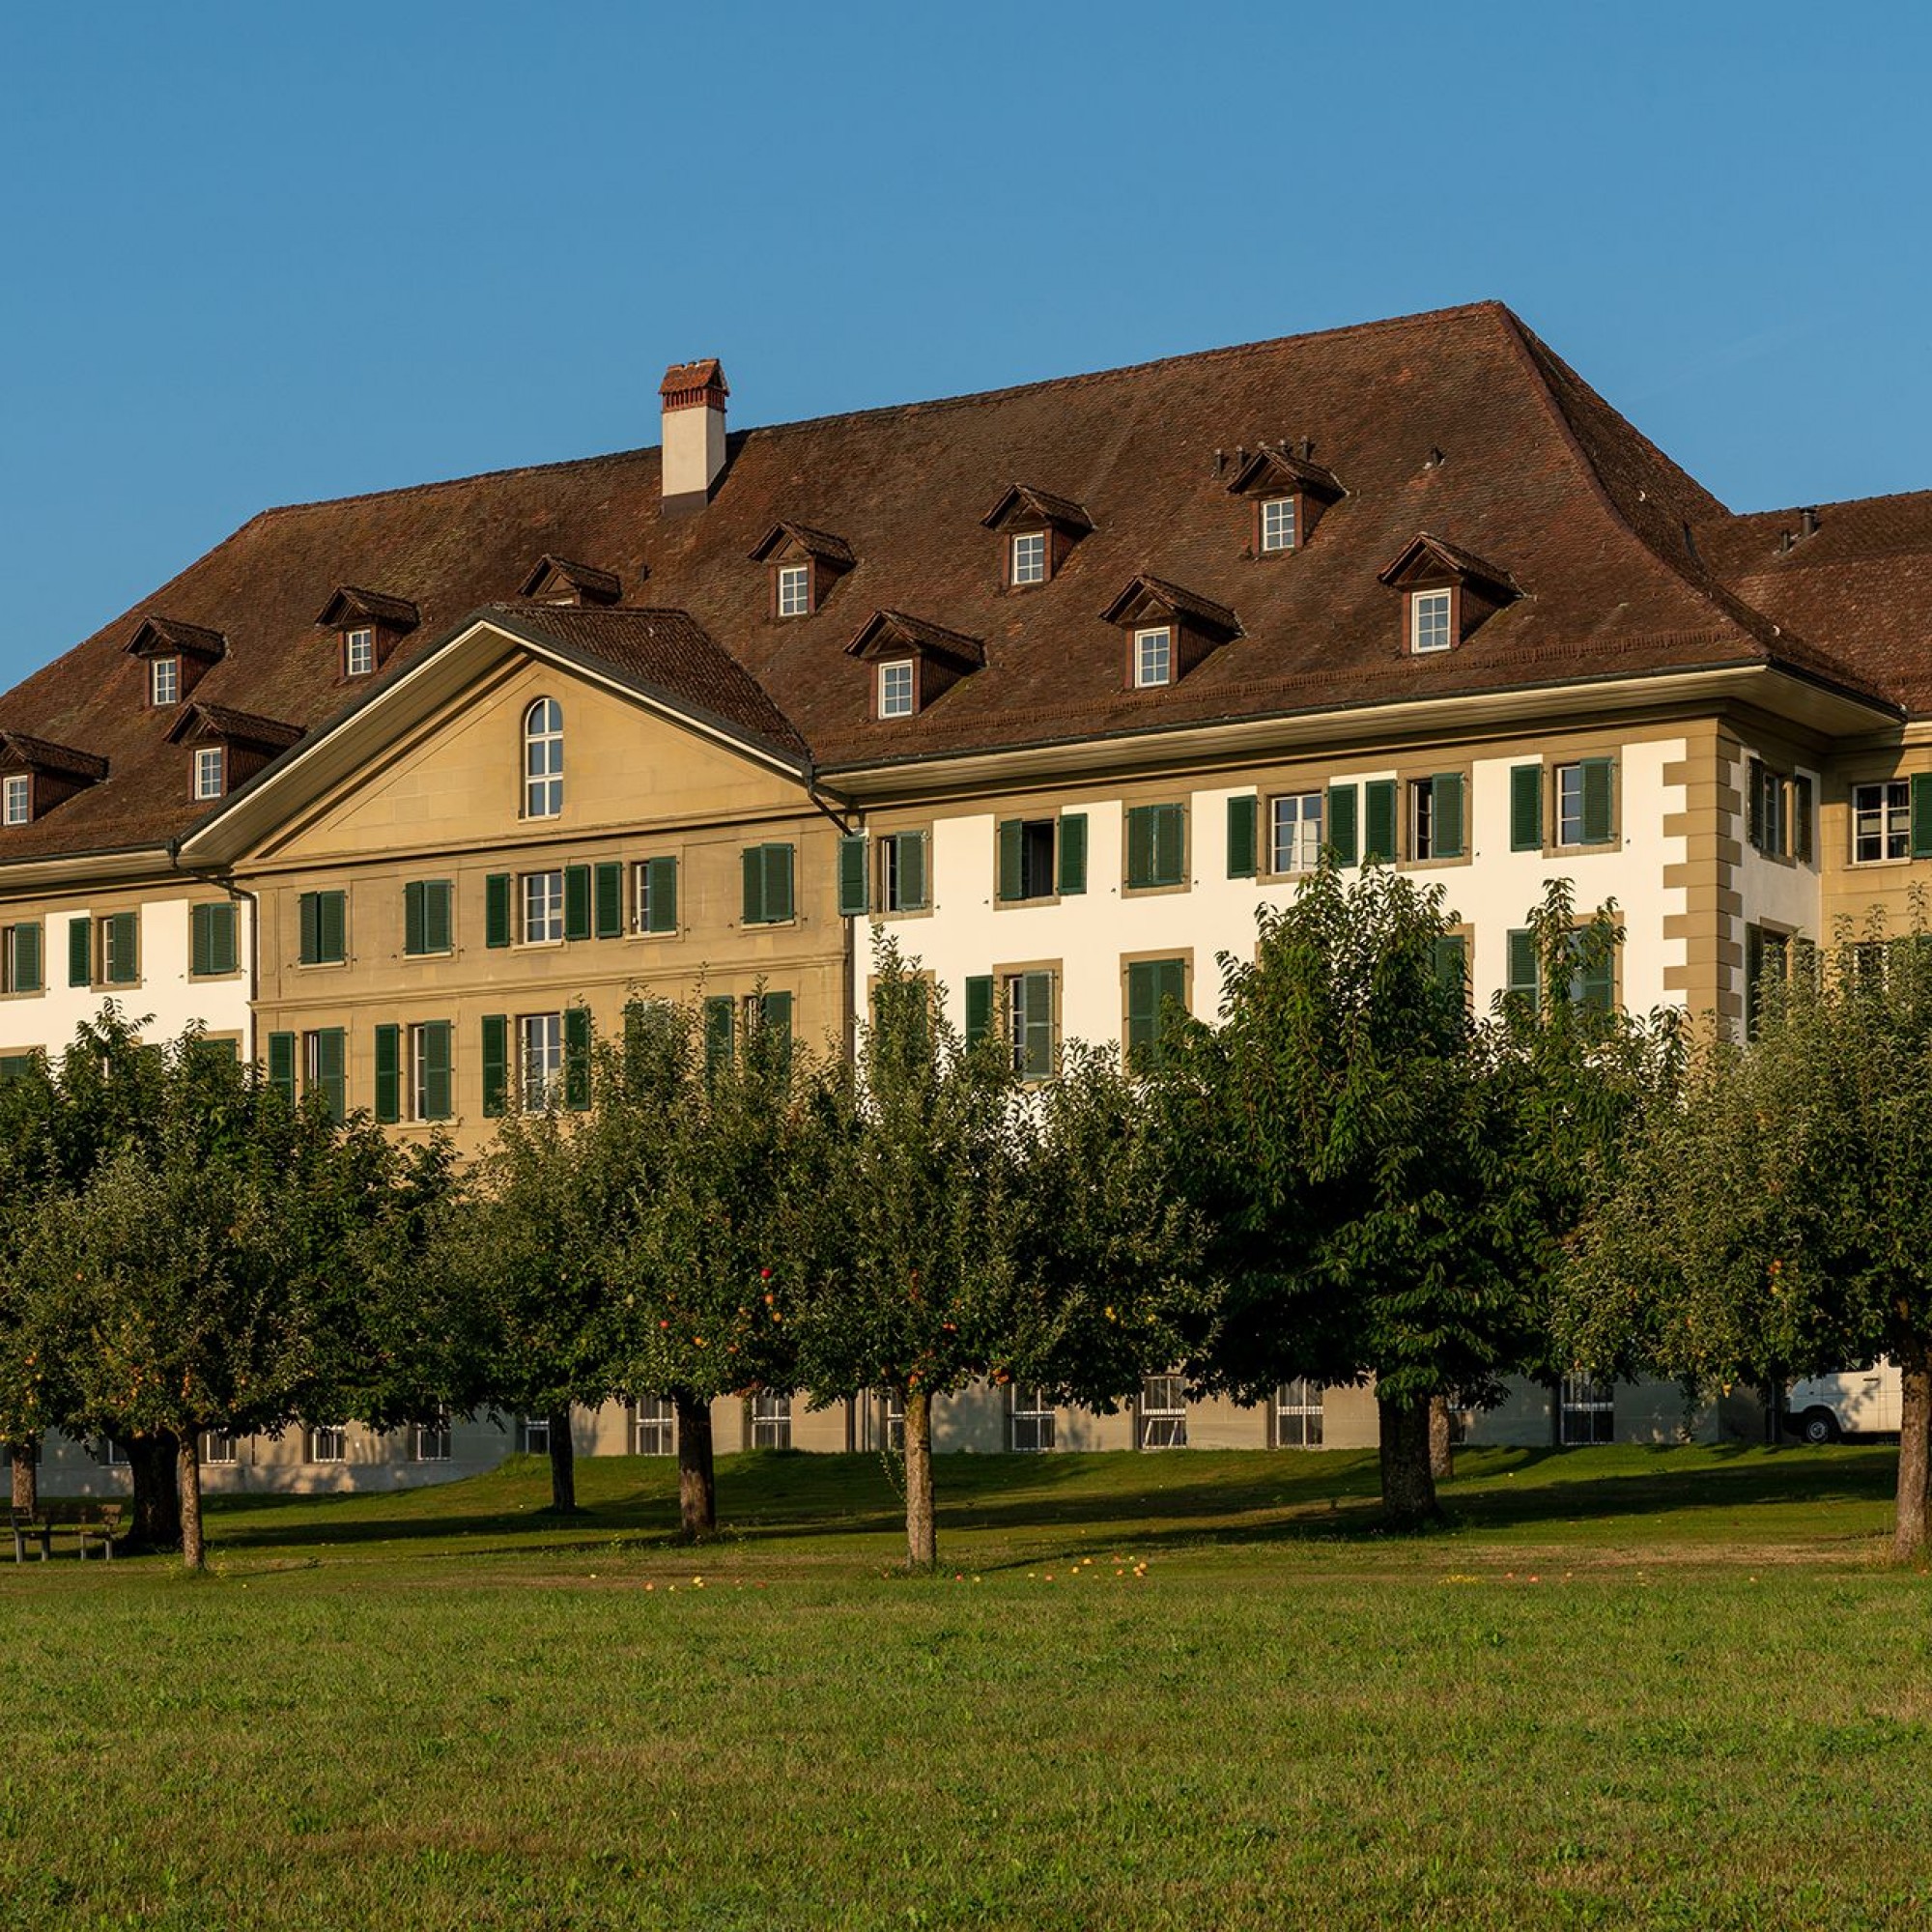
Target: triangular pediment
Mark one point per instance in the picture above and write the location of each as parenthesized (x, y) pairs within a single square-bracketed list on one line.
[(1429, 562)]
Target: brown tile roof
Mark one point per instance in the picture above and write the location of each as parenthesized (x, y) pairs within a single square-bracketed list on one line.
[(41, 755), (1021, 499), (350, 604), (1278, 469), (201, 720), (819, 543), (585, 580), (884, 628), (158, 635), (1423, 550), (1594, 520), (1146, 592)]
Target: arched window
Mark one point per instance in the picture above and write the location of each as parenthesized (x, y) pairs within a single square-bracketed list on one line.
[(543, 760)]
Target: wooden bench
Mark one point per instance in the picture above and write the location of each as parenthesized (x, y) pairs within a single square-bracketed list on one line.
[(97, 1525), (100, 1527), (31, 1529)]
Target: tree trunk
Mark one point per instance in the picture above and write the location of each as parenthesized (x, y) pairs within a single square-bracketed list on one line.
[(156, 1512), (921, 1534), (1441, 1444), (696, 1471), (24, 1458), (1408, 1490), (562, 1463), (187, 1462), (1910, 1539)]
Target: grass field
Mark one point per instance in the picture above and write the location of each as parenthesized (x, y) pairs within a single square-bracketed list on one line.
[(1626, 1688)]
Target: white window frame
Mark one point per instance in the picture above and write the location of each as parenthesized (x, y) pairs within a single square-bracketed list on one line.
[(1153, 657), (1432, 619), (533, 1432), (892, 1420), (358, 651), (1299, 1414), (211, 771), (539, 1057), (653, 1426), (20, 797), (794, 590), (418, 1074), (1028, 555), (897, 689), (770, 1420), (1891, 813), (543, 907), (1160, 1416), (1421, 818), (164, 680), (219, 1450), (1586, 1412), (1569, 805), (1294, 837), (326, 1442), (429, 1440), (1032, 1418), (1278, 524), (543, 759)]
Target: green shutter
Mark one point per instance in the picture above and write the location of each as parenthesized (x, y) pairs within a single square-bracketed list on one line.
[(853, 848), (609, 898), (577, 901), (436, 1089), (1452, 963), (1140, 845), (1012, 835), (310, 907), (1525, 807), (332, 928), (496, 1060), (388, 1074), (1445, 815), (577, 1058), (978, 1008), (15, 1067), (1922, 815), (775, 1023), (718, 1024), (1243, 816), (1522, 966), (1754, 805), (1378, 843), (1037, 1046), (1170, 845), (1344, 806), (911, 863), (779, 905), (1753, 978), (497, 912), (27, 959), (123, 965), (212, 937), (282, 1064), (79, 951), (197, 942), (1143, 1010), (1596, 799), (661, 895), (330, 1070), (754, 885), (1801, 820), (1071, 864), (1595, 985), (413, 940)]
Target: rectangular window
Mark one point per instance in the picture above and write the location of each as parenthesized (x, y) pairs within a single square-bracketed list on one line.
[(1882, 821), (19, 799), (1030, 557), (654, 1422), (358, 652), (1435, 816), (327, 1443), (1429, 615), (1163, 1412), (432, 1443), (325, 1067), (794, 589), (539, 1057), (1298, 1415), (1277, 524), (164, 680), (1767, 963), (20, 969), (429, 921), (1030, 1024), (895, 689), (543, 907), (1032, 1418), (768, 884), (218, 1448), (1154, 657), (1157, 845), (770, 1420), (209, 764), (1156, 993), (1294, 832), (1587, 1412), (533, 1436), (324, 920), (902, 869), (118, 937), (430, 1070), (213, 947), (654, 903), (1590, 985), (1026, 853)]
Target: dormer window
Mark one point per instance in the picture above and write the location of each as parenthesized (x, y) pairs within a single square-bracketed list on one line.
[(226, 748), (1446, 592), (1431, 619), (897, 689), (210, 767), (42, 776), (358, 651), (1277, 524), (556, 579), (1153, 657), (1029, 559), (20, 800), (175, 655), (1287, 492), (1170, 631), (368, 625), (164, 680), (804, 564), (1038, 529)]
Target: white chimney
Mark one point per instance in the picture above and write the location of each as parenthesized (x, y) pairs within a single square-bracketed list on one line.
[(693, 431)]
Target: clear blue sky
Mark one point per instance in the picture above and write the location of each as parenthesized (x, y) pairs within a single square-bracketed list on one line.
[(260, 254)]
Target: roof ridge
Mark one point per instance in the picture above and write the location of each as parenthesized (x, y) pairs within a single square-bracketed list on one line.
[(1820, 503)]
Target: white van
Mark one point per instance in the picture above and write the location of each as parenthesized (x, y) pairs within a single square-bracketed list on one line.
[(1852, 1402)]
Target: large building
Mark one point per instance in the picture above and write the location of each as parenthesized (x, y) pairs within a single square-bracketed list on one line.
[(407, 793)]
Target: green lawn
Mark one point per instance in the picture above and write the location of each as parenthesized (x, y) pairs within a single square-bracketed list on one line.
[(1626, 1688)]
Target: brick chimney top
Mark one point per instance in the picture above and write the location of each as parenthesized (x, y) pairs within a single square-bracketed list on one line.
[(686, 384)]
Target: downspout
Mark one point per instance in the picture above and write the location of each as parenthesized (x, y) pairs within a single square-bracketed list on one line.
[(217, 877)]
